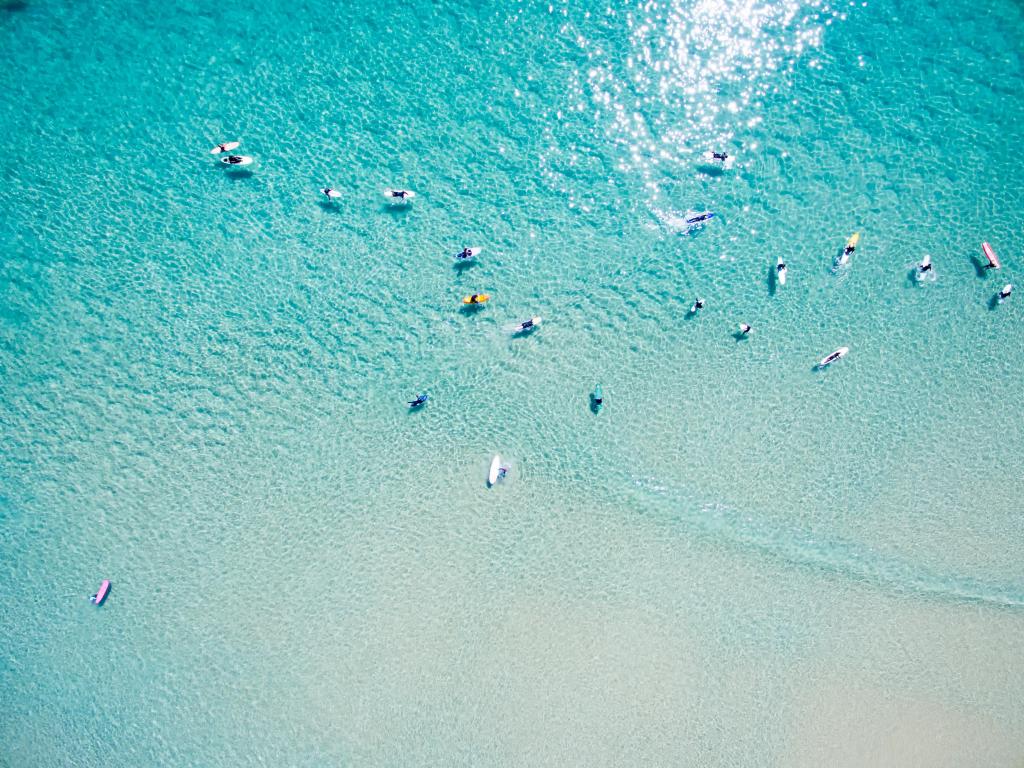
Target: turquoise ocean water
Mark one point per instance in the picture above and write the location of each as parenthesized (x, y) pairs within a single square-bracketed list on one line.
[(739, 562)]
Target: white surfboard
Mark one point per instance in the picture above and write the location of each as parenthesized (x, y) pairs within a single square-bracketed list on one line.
[(837, 355), (473, 253), (727, 163), (530, 324), (780, 270), (492, 476), (227, 146), (925, 267), (398, 196), (236, 161)]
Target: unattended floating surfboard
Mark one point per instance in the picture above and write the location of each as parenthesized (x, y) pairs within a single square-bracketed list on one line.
[(492, 475), (227, 146)]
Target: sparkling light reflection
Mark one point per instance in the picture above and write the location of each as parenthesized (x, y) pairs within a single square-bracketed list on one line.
[(695, 75)]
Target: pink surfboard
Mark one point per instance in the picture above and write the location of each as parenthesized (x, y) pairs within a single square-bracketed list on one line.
[(993, 260), (101, 593)]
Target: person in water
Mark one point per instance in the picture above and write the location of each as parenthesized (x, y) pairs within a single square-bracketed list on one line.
[(420, 400), (723, 156), (235, 159), (925, 267), (700, 217), (780, 267), (1005, 293), (698, 304), (526, 325), (399, 193), (745, 329), (502, 472), (465, 253), (850, 248), (474, 299)]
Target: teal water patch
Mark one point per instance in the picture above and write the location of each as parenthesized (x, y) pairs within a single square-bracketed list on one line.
[(807, 549), (204, 377)]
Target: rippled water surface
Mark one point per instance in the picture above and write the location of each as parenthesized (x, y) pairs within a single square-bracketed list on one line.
[(740, 561)]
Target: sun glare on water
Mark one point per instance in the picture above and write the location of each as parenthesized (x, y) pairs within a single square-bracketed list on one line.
[(692, 76)]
